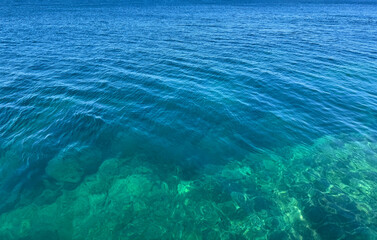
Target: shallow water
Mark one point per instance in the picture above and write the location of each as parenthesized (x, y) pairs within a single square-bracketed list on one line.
[(190, 122)]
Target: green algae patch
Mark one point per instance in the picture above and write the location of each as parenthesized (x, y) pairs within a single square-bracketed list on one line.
[(184, 187), (326, 190)]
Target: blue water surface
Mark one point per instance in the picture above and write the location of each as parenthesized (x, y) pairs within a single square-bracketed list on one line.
[(188, 122)]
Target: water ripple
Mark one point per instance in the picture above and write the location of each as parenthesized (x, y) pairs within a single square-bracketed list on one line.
[(183, 90)]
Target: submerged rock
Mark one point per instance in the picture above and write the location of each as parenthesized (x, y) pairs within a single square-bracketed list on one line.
[(71, 164), (253, 198), (64, 169)]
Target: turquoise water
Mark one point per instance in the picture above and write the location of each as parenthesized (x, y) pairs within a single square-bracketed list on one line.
[(188, 122)]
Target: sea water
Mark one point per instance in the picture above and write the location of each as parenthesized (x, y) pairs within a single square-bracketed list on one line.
[(188, 122)]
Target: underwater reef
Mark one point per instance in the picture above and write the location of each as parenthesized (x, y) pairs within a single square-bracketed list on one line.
[(326, 190)]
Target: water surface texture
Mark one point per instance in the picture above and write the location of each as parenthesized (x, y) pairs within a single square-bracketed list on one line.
[(188, 122)]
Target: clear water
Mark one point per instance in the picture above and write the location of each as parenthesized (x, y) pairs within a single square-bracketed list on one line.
[(190, 122)]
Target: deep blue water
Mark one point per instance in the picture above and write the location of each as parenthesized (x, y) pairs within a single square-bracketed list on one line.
[(188, 122)]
